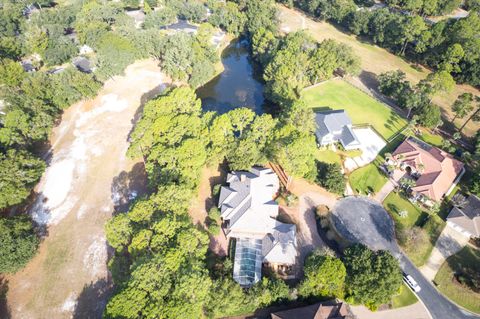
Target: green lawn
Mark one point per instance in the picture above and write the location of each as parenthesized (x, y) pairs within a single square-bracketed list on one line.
[(405, 298), (418, 251), (367, 179), (395, 203), (465, 261), (430, 138), (328, 156), (362, 109)]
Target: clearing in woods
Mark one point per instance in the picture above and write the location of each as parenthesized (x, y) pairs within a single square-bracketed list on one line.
[(87, 178)]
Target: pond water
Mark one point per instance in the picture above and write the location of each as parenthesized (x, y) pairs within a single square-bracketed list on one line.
[(238, 85)]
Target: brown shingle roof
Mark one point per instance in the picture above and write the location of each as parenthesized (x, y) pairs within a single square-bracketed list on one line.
[(326, 310), (440, 168)]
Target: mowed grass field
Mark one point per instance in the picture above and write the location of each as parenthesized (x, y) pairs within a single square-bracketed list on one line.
[(374, 60), (337, 94)]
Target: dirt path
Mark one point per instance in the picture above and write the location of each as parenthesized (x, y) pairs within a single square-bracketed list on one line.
[(374, 60), (204, 201), (88, 176), (303, 215)]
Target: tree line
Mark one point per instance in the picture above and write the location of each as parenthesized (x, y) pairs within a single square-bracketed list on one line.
[(159, 254), (449, 45), (33, 101)]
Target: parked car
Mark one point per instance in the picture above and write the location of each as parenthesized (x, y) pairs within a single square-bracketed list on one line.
[(411, 282)]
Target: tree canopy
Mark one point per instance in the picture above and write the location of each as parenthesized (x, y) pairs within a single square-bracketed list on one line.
[(373, 277)]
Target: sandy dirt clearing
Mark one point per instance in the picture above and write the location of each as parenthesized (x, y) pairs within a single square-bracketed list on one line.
[(204, 201), (88, 176), (374, 60)]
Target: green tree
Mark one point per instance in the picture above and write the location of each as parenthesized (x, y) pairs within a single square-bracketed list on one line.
[(462, 106), (330, 176), (251, 145), (19, 243), (261, 14), (119, 232), (228, 16), (59, 50), (11, 73), (429, 115), (114, 53), (19, 172), (159, 18), (373, 277), (324, 277)]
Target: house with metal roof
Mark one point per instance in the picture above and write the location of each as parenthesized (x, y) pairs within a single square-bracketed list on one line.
[(248, 213), (466, 218), (335, 126)]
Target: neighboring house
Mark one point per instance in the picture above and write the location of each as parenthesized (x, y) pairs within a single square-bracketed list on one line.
[(83, 64), (324, 310), (333, 127), (466, 219), (435, 171), (28, 66), (181, 26), (248, 213), (138, 16)]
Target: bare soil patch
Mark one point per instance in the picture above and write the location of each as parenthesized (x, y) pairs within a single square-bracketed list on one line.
[(374, 60), (204, 201), (77, 194)]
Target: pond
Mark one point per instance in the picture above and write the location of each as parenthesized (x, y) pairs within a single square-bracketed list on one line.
[(238, 85)]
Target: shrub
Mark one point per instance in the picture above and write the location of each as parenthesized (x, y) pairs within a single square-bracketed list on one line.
[(214, 213), (216, 190), (330, 176), (214, 229)]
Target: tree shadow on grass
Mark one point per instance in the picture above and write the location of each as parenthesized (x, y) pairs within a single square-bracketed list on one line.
[(92, 300)]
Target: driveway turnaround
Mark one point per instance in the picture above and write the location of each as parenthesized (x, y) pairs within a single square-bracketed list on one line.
[(361, 220), (450, 242), (370, 145)]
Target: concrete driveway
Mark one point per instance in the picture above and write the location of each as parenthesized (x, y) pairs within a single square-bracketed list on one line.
[(448, 243), (371, 145)]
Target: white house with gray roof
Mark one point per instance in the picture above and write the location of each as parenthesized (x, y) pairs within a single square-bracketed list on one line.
[(248, 214), (335, 126)]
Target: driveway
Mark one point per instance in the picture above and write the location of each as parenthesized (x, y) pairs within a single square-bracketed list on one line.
[(415, 311), (389, 186), (449, 243), (303, 215), (370, 145), (360, 219)]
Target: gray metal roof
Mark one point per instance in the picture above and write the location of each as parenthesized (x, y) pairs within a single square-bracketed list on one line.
[(336, 123), (348, 136)]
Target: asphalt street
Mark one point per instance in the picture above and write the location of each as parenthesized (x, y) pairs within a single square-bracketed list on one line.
[(359, 219), (438, 306)]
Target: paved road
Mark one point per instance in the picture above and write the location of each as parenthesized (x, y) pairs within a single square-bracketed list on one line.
[(438, 306), (363, 220)]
